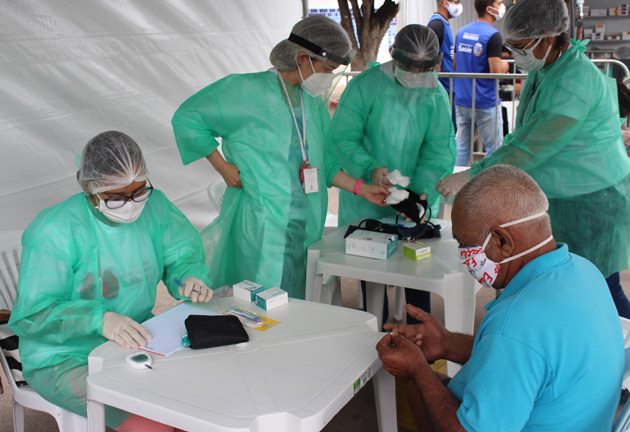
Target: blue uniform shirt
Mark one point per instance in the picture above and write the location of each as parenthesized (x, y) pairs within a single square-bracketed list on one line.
[(471, 54), (447, 49), (548, 356)]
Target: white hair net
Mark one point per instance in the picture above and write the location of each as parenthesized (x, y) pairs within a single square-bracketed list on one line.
[(321, 37), (535, 19), (110, 160), (416, 46)]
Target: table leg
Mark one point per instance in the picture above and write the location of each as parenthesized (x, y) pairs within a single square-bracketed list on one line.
[(375, 293), (95, 416), (459, 312), (385, 398), (313, 281)]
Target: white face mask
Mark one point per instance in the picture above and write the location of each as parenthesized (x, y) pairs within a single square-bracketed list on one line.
[(318, 83), (126, 214), (500, 12), (455, 9), (528, 61), (483, 268), (415, 80)]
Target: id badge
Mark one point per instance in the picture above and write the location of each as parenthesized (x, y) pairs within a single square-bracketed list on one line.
[(311, 185)]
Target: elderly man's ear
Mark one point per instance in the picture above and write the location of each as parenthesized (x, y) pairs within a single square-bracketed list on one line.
[(503, 243)]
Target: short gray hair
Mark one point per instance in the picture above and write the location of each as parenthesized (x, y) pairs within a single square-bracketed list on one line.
[(501, 194)]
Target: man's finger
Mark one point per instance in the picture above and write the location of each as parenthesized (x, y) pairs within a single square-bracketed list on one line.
[(417, 313)]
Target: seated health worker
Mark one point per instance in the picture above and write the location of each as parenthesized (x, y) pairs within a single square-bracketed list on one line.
[(89, 271)]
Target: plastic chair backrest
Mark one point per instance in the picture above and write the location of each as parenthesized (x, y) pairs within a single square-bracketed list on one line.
[(9, 269), (216, 191)]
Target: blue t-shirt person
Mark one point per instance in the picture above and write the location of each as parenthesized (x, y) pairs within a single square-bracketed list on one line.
[(549, 354), (474, 45), (442, 29)]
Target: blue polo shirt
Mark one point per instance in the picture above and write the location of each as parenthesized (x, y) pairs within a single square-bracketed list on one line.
[(548, 356), (447, 48), (474, 45)]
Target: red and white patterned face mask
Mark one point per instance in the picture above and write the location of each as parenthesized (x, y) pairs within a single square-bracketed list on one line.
[(483, 268)]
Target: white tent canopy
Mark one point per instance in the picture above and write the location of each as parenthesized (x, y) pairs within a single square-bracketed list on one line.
[(73, 68)]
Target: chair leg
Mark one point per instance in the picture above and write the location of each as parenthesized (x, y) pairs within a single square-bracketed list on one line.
[(18, 417)]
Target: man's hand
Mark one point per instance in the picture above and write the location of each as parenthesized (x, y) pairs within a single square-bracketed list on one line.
[(379, 177), (374, 194), (400, 357), (430, 334), (451, 185), (231, 175)]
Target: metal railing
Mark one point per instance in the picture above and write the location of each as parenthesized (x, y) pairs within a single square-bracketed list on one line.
[(514, 78)]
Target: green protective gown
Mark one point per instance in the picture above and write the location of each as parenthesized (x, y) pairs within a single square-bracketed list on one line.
[(567, 138), (380, 123), (75, 266), (264, 229)]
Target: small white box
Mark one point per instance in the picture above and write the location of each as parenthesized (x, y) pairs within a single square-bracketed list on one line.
[(625, 35), (598, 36), (247, 290), (600, 28), (272, 298), (371, 244), (599, 12), (613, 11), (588, 33)]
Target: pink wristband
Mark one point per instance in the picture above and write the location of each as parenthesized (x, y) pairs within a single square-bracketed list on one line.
[(357, 186)]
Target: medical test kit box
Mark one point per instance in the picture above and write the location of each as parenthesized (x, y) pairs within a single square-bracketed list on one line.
[(247, 290), (272, 298), (371, 244), (416, 250)]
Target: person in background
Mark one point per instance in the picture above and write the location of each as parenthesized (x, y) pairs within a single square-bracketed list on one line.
[(277, 162), (406, 125), (623, 94), (549, 353), (89, 271), (567, 137), (439, 23), (478, 50)]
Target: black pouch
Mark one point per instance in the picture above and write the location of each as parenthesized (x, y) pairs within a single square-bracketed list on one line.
[(206, 331)]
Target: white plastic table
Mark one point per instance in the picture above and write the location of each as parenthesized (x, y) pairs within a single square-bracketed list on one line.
[(441, 274), (293, 377)]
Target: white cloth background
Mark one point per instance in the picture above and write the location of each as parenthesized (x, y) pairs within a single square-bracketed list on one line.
[(71, 69)]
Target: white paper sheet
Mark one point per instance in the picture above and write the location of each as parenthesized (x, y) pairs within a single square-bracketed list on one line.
[(168, 328)]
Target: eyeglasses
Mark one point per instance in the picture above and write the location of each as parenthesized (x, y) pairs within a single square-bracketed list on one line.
[(522, 51), (139, 195)]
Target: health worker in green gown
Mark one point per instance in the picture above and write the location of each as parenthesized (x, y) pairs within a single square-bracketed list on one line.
[(405, 125), (567, 137), (276, 160), (90, 267)]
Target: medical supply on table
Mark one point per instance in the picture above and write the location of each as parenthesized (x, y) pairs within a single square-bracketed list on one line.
[(416, 250), (371, 244), (247, 290), (247, 317), (272, 298), (213, 331), (139, 360)]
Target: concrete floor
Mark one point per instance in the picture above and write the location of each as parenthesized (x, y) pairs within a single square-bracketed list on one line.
[(358, 415)]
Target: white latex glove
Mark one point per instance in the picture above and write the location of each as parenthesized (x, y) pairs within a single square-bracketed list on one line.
[(396, 178), (396, 196), (379, 177), (451, 185), (196, 290), (124, 331)]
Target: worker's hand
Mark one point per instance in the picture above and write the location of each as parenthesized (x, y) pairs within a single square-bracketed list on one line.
[(231, 175), (400, 357), (374, 193), (124, 331), (379, 177), (430, 334), (195, 290), (451, 185)]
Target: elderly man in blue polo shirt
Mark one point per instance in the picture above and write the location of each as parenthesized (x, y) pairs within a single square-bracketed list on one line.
[(548, 354)]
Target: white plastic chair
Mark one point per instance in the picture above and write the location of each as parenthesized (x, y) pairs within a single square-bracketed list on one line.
[(25, 397)]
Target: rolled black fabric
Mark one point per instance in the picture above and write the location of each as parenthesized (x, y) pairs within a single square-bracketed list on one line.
[(212, 331)]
